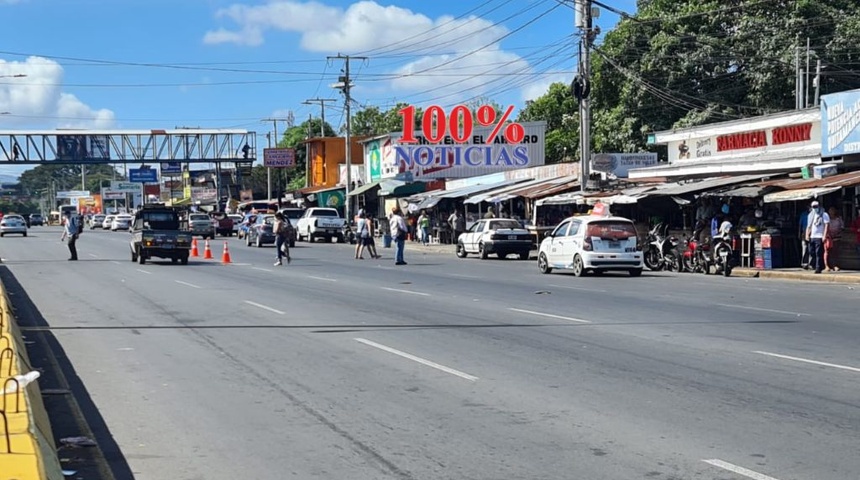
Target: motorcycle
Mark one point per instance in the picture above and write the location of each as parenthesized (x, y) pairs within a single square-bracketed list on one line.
[(723, 256), (659, 249), (348, 235), (694, 257)]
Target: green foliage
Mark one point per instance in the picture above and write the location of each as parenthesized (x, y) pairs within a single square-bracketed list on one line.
[(38, 180), (294, 137), (691, 62), (371, 121)]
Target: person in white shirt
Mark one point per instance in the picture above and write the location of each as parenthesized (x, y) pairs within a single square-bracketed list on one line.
[(818, 224), (398, 233)]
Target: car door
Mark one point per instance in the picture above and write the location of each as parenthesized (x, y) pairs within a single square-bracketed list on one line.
[(573, 241), (557, 242), (473, 236)]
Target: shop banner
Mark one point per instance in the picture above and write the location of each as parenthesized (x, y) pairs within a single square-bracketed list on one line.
[(840, 119)]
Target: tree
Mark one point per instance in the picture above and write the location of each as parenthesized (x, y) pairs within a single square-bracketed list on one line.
[(372, 121), (66, 177), (295, 136), (560, 111)]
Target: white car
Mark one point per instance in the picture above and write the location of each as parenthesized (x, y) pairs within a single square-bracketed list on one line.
[(121, 222), (13, 224), (500, 236), (592, 243), (108, 222), (97, 221)]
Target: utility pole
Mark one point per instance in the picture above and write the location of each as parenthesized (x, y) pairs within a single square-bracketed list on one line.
[(308, 151), (798, 83), (344, 85), (806, 78), (321, 101), (582, 86), (817, 81), (269, 169)]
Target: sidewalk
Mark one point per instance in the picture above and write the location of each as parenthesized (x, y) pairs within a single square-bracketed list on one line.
[(842, 276)]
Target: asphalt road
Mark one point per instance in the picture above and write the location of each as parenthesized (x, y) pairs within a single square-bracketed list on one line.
[(338, 368)]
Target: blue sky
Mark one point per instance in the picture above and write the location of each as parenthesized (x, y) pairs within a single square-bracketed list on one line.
[(218, 64)]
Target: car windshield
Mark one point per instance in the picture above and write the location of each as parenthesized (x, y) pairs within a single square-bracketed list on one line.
[(199, 217), (504, 224), (611, 229)]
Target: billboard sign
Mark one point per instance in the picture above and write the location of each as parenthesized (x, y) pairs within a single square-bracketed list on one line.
[(83, 147), (619, 164), (143, 175), (73, 194), (112, 195), (171, 168), (279, 157), (125, 187), (840, 124)]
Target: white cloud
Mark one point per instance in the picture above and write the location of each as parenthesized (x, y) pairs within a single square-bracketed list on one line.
[(38, 98), (367, 25), (541, 85)]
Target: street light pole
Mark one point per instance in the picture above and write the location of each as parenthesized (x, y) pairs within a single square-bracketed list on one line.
[(344, 85)]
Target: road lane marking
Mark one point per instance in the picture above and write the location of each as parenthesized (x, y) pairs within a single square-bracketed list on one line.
[(579, 288), (405, 291), (262, 269), (418, 359), (460, 275), (187, 284), (764, 310), (93, 255), (322, 278), (804, 360), (143, 271), (258, 305), (570, 319), (739, 470)]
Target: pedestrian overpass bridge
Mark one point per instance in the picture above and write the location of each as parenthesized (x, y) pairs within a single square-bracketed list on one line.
[(72, 146)]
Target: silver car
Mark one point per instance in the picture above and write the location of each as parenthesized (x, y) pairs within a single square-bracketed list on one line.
[(13, 224), (201, 224)]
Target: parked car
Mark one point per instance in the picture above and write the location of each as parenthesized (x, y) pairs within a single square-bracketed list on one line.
[(261, 233), (97, 221), (201, 224), (13, 224), (245, 225), (121, 222), (592, 243), (36, 219), (108, 221), (321, 222), (500, 236)]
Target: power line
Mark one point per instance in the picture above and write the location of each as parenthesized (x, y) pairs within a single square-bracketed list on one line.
[(322, 102), (344, 84)]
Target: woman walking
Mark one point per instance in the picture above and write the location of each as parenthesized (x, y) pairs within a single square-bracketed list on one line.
[(834, 235), (362, 231), (424, 227)]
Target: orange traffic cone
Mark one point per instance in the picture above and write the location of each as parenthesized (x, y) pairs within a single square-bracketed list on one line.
[(194, 248), (225, 257), (207, 254)]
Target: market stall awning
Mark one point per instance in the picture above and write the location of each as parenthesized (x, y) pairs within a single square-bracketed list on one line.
[(798, 194), (364, 188), (775, 161), (749, 191), (674, 189), (571, 198), (396, 188)]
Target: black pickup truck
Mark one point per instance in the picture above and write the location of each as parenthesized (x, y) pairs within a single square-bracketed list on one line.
[(157, 231)]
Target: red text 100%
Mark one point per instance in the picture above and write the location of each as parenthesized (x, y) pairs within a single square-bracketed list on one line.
[(459, 124)]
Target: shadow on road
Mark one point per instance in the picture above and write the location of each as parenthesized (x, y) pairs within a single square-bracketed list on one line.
[(71, 414)]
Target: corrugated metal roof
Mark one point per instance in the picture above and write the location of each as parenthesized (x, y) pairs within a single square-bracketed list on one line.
[(849, 179), (799, 194), (548, 188), (708, 184), (745, 191)]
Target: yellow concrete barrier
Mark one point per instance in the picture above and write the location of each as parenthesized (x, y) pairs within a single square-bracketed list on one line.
[(27, 448)]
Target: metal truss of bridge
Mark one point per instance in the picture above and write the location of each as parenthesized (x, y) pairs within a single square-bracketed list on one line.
[(127, 146)]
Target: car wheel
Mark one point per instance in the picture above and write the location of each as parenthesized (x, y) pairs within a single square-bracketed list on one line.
[(184, 259), (543, 264), (174, 261), (636, 272), (259, 242), (482, 252), (578, 266), (461, 250), (524, 255), (25, 234), (502, 255), (140, 258), (2, 234)]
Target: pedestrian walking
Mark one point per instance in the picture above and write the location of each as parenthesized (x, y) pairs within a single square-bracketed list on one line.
[(834, 236), (424, 227), (362, 233), (371, 242), (458, 225), (71, 231), (817, 235), (399, 231), (282, 230)]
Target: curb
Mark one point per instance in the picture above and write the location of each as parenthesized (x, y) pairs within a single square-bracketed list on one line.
[(26, 442), (797, 276)]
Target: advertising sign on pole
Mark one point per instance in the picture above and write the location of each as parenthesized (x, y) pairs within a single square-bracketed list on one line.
[(619, 164), (125, 187), (143, 175), (112, 195), (279, 157), (73, 194), (171, 168)]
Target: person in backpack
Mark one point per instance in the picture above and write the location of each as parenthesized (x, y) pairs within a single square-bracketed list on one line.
[(282, 244), (71, 231)]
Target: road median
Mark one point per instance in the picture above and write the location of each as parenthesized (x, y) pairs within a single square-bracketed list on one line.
[(26, 443)]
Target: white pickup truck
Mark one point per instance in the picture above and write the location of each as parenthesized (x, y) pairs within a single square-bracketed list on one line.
[(320, 223)]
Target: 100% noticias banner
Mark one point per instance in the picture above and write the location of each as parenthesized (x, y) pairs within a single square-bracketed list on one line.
[(459, 127)]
